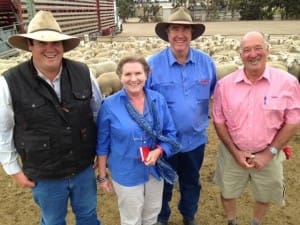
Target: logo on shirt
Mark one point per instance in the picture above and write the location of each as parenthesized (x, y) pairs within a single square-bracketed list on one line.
[(203, 81)]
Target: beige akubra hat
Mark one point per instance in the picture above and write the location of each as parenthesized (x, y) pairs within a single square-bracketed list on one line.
[(43, 27), (180, 16)]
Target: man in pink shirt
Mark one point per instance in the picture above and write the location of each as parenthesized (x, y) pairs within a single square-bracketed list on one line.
[(256, 111)]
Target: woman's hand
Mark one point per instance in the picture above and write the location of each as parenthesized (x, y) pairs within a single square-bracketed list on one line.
[(153, 156), (106, 185)]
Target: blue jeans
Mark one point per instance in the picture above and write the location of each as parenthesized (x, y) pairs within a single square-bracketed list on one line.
[(187, 166), (52, 197)]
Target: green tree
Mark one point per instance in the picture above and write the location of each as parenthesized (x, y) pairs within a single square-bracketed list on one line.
[(250, 10), (125, 8), (212, 7), (259, 10), (233, 6), (155, 10), (290, 8)]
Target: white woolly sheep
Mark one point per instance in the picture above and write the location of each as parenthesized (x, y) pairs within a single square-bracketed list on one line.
[(278, 65), (225, 69), (103, 67), (109, 83)]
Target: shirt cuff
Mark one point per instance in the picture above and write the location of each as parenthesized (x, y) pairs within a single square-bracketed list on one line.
[(12, 168)]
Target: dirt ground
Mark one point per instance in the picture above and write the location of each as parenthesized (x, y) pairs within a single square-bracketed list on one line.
[(18, 208)]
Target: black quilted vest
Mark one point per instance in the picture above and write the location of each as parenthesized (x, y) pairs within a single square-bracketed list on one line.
[(55, 139)]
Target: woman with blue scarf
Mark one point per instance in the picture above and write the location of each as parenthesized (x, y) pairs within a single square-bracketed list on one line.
[(130, 121)]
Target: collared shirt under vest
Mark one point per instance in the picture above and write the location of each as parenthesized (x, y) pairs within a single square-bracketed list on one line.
[(55, 138)]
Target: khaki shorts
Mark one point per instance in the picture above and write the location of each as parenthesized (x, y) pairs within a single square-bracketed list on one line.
[(267, 184)]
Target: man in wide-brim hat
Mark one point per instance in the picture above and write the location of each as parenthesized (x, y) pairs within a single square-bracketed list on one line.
[(46, 117), (186, 77), (180, 16), (43, 27)]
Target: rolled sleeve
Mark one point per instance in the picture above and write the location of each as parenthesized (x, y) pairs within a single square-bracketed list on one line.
[(103, 127), (96, 98), (8, 154), (293, 107), (217, 112)]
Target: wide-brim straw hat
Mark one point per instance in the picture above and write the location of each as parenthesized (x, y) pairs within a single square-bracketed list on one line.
[(180, 16), (43, 27)]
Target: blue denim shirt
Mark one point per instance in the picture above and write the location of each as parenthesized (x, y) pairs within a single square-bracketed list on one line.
[(120, 137), (187, 89)]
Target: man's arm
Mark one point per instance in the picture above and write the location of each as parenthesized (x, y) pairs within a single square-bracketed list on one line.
[(282, 138), (96, 100), (8, 154), (240, 156)]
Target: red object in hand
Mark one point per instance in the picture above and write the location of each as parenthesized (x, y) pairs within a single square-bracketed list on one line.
[(288, 152), (144, 150)]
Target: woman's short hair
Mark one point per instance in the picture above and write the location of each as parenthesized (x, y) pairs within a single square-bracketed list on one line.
[(133, 59)]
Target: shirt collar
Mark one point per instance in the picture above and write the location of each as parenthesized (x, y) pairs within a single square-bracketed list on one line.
[(41, 75), (172, 59), (124, 95), (241, 76)]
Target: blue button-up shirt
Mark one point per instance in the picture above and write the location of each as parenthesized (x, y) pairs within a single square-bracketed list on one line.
[(187, 89), (120, 137)]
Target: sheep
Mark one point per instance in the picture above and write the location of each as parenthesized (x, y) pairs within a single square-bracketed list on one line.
[(278, 65), (103, 67), (109, 83), (225, 69), (103, 57), (294, 48), (293, 68), (6, 64)]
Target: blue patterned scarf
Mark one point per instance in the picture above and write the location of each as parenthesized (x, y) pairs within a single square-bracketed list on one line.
[(164, 168)]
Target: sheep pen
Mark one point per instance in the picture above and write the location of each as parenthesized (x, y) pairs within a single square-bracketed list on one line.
[(17, 206)]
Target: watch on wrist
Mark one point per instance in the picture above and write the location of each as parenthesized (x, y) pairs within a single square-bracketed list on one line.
[(273, 150)]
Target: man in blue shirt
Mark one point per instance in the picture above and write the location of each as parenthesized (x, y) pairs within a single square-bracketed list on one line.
[(186, 77)]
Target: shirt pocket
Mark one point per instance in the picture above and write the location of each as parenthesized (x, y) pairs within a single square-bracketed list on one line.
[(233, 111), (202, 90), (199, 104), (273, 110), (169, 90), (231, 117)]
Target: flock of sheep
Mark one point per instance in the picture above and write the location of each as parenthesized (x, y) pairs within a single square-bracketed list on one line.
[(102, 57)]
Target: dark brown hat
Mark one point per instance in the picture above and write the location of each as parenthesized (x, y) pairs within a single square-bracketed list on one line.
[(180, 16)]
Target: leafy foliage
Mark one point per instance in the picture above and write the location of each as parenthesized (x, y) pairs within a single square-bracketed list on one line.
[(125, 8), (249, 9), (260, 10)]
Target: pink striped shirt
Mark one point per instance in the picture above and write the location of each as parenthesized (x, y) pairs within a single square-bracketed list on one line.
[(254, 113)]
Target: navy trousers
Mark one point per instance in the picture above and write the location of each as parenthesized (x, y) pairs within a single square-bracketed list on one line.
[(187, 166)]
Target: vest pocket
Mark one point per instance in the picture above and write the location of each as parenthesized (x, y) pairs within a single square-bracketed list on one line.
[(34, 148), (83, 94), (33, 103)]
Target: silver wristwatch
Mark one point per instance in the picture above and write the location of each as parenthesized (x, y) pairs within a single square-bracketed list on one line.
[(273, 150)]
